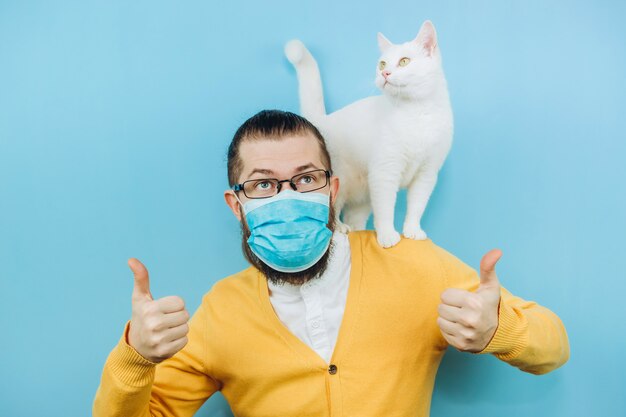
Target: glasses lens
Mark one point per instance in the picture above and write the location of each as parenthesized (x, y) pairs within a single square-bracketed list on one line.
[(310, 181), (260, 188)]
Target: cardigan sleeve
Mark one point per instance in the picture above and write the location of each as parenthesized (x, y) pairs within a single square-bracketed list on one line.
[(529, 336), (132, 386)]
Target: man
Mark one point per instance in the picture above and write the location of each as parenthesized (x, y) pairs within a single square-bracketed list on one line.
[(322, 323)]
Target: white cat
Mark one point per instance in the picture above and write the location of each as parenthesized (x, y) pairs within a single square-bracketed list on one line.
[(383, 143)]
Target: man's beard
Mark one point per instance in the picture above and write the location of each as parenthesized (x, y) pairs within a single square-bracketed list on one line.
[(278, 277)]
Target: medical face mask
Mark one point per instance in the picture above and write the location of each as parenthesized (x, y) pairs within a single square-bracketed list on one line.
[(288, 231)]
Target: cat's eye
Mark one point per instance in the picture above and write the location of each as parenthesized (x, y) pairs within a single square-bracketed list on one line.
[(381, 65), (404, 62)]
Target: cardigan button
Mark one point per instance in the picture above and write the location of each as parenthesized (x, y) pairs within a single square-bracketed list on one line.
[(332, 369)]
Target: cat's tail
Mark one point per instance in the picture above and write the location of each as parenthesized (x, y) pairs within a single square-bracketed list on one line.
[(309, 80)]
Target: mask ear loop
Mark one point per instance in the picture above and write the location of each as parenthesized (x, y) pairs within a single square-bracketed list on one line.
[(239, 201)]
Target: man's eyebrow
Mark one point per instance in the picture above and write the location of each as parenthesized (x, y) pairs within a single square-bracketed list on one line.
[(305, 167), (261, 171), (265, 171)]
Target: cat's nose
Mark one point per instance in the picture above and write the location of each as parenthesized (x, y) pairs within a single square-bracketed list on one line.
[(386, 74)]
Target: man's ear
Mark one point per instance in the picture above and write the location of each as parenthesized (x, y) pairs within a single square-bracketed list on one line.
[(334, 188), (233, 203)]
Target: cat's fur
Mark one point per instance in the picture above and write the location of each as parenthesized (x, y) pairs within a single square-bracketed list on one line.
[(380, 144)]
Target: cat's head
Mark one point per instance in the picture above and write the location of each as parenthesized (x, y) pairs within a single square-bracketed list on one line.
[(410, 69)]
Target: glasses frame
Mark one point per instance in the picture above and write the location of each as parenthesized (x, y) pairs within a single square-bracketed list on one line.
[(279, 184)]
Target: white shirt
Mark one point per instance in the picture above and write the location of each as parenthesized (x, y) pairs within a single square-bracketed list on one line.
[(313, 311)]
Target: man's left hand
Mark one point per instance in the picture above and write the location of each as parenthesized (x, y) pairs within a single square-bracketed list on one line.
[(468, 320)]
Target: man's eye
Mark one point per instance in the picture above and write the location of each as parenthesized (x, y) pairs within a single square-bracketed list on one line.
[(263, 185), (307, 179)]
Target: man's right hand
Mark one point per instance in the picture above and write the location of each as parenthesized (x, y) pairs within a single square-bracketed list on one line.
[(158, 328)]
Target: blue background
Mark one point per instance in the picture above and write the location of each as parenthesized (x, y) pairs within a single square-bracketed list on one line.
[(115, 117)]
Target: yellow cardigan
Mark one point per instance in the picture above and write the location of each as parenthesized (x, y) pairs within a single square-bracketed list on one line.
[(384, 364)]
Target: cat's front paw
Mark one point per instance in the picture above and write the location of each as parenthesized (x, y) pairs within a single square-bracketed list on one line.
[(341, 227), (414, 232), (387, 238)]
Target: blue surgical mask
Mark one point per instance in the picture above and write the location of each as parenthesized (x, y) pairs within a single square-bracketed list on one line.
[(288, 231)]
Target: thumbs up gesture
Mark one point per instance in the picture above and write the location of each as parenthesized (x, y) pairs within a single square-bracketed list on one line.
[(158, 328), (468, 320)]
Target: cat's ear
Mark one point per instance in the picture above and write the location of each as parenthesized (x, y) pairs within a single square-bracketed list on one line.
[(427, 37), (383, 43)]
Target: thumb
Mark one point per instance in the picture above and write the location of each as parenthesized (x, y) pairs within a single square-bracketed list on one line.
[(142, 281), (488, 275)]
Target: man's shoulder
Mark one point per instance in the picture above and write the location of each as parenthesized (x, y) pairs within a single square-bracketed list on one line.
[(408, 251), (365, 241), (241, 284)]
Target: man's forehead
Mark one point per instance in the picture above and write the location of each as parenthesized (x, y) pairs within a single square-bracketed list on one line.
[(280, 156)]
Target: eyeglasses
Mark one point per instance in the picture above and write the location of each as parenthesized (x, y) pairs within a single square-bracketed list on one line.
[(269, 187)]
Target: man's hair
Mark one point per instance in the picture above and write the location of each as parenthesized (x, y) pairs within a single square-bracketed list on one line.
[(272, 125)]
